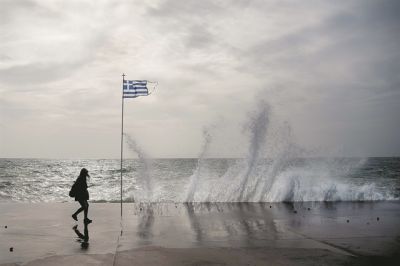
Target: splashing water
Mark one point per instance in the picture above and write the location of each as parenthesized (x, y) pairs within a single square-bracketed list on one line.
[(273, 172), (258, 129), (144, 172), (194, 179)]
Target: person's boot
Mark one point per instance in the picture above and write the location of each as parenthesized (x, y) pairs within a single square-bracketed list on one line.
[(74, 217), (87, 221)]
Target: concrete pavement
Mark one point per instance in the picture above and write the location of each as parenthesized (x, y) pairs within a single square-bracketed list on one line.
[(202, 234)]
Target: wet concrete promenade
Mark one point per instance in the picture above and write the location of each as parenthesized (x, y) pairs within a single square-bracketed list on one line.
[(202, 234)]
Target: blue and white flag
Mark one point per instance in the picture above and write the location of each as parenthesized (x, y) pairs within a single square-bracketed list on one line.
[(134, 88)]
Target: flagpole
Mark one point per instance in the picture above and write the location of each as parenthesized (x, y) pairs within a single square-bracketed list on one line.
[(122, 132)]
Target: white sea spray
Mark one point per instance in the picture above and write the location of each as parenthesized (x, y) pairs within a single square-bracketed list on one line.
[(144, 171)]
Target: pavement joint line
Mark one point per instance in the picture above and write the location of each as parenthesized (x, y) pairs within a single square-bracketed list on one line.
[(335, 247)]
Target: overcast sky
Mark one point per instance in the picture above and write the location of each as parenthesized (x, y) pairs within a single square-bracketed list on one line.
[(328, 69)]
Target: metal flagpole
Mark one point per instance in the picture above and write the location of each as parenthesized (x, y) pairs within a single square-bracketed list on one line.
[(122, 132)]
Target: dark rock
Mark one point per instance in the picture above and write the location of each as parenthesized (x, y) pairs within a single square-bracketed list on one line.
[(11, 249)]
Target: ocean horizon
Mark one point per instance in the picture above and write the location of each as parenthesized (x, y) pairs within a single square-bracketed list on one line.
[(204, 179)]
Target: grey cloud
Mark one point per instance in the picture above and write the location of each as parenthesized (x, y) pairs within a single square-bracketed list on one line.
[(4, 57), (334, 71), (16, 9), (200, 69), (199, 37), (385, 12), (189, 20), (350, 35), (10, 7), (35, 73), (180, 9), (60, 62)]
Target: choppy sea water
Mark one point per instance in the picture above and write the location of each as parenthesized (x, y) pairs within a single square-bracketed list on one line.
[(204, 180)]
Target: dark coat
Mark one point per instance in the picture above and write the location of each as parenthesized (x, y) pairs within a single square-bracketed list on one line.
[(81, 189)]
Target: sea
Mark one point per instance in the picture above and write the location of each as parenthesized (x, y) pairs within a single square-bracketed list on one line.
[(204, 179)]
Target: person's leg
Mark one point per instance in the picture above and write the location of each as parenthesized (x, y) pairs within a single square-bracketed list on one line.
[(86, 209), (82, 208), (87, 220)]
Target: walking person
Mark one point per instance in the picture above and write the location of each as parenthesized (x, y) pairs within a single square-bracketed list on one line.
[(81, 195)]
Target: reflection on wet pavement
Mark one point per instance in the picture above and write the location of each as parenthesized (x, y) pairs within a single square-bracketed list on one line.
[(341, 227)]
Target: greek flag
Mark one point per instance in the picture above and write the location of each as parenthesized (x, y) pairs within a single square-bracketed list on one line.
[(134, 88)]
